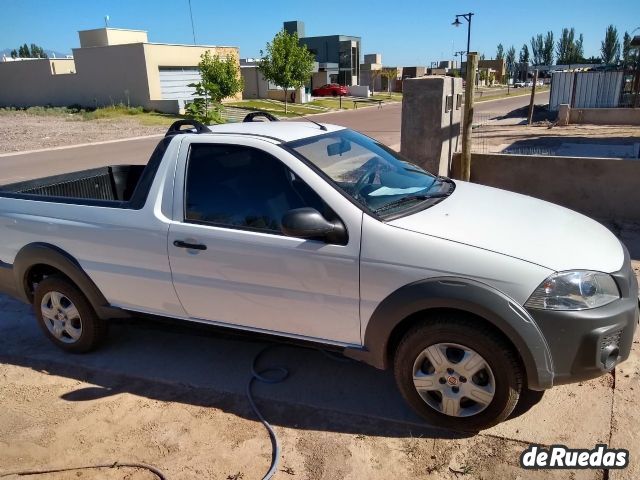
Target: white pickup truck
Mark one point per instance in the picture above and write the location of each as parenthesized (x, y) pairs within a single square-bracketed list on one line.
[(320, 234)]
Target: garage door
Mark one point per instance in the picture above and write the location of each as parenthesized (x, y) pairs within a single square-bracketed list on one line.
[(174, 81)]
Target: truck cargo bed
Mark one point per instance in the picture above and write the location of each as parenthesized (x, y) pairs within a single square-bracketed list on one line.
[(115, 183), (115, 186)]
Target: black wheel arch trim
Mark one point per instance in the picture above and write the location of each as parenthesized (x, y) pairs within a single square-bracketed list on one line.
[(55, 257), (466, 295)]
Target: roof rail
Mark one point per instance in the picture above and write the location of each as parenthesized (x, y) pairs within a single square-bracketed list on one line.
[(252, 115), (196, 127)]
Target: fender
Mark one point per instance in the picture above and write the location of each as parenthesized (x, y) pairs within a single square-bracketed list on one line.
[(50, 255), (465, 295)]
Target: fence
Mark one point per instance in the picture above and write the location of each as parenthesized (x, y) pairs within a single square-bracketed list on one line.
[(592, 89)]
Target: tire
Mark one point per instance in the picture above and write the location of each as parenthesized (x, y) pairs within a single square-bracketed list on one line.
[(452, 340), (334, 93), (75, 330)]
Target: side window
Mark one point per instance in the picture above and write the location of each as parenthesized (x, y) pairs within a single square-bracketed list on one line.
[(242, 187)]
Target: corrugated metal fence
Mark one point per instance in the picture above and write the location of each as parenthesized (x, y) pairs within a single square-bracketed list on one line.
[(591, 89)]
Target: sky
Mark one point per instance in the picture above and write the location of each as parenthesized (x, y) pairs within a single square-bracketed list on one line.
[(405, 32)]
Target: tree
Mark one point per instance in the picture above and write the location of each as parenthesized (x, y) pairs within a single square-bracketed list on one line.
[(524, 54), (537, 49), (510, 60), (220, 78), (610, 47), (482, 57), (25, 52), (547, 49), (286, 63), (500, 52), (374, 74), (578, 51), (629, 59), (569, 49), (390, 74), (565, 44), (37, 51)]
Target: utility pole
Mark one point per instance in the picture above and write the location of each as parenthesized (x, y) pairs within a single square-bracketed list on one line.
[(533, 95), (472, 66), (193, 30)]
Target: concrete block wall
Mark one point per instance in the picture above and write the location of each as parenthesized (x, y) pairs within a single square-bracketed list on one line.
[(605, 116), (601, 188)]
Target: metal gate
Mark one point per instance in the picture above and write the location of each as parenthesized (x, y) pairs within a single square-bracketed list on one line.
[(174, 82), (591, 89)]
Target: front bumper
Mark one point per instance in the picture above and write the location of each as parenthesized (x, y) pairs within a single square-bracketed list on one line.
[(588, 343)]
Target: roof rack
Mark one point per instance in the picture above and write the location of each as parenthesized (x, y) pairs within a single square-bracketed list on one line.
[(196, 127)]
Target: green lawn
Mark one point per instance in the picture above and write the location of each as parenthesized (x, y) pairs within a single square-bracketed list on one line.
[(277, 108)]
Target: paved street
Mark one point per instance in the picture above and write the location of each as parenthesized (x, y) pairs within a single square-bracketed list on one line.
[(23, 166), (506, 105)]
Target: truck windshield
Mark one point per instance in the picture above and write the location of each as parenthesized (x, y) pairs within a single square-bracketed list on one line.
[(374, 175)]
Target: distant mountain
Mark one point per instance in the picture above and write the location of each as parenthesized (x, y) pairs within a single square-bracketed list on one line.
[(51, 53)]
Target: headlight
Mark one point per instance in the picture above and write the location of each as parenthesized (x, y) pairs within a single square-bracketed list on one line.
[(577, 290)]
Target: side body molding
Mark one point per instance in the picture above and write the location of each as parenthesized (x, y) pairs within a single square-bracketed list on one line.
[(50, 255), (468, 296)]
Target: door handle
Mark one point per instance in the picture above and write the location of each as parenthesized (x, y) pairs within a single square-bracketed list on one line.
[(190, 246)]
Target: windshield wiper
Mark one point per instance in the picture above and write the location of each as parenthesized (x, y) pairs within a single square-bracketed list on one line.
[(411, 198)]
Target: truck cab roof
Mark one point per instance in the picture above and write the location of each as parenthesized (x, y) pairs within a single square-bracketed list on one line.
[(281, 132)]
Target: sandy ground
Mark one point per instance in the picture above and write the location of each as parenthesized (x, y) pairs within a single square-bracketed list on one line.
[(68, 419), (54, 422), (493, 137), (22, 131)]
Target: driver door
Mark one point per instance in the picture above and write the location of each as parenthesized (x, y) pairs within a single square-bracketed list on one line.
[(230, 262)]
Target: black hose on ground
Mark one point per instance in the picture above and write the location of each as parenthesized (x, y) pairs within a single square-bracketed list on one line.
[(142, 466), (271, 375)]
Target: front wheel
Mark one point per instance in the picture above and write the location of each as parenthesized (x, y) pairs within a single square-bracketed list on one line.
[(458, 374)]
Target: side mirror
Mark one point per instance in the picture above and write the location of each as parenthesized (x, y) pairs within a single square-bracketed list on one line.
[(309, 223)]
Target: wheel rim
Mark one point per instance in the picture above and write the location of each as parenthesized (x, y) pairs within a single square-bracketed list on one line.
[(453, 379), (61, 317)]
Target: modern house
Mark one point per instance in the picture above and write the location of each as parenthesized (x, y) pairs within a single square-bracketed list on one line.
[(111, 66), (496, 67), (256, 86), (338, 56)]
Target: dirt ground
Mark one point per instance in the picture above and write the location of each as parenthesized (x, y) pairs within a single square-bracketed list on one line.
[(494, 136), (55, 422), (22, 131)]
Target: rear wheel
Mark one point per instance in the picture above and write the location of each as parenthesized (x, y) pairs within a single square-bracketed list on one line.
[(66, 316), (457, 374)]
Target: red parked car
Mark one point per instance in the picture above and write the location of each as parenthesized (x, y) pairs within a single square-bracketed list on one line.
[(332, 89)]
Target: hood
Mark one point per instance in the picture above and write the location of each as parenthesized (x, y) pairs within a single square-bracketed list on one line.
[(519, 226)]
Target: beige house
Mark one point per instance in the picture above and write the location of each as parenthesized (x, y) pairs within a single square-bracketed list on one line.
[(111, 66)]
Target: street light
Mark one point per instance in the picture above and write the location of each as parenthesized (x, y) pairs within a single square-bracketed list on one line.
[(457, 23)]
